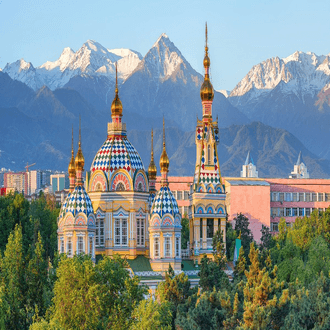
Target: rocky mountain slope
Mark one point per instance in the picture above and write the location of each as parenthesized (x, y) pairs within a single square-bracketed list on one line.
[(290, 93)]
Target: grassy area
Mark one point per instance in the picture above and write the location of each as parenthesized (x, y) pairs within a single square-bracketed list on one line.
[(140, 264), (189, 265)]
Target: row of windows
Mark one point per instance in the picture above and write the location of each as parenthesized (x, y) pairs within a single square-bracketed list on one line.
[(209, 228), (121, 232), (80, 245), (167, 247), (292, 211), (181, 195), (299, 197)]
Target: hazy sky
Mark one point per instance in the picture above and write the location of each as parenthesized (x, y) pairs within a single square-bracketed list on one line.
[(241, 33)]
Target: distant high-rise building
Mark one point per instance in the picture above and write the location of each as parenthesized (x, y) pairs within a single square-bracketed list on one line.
[(34, 181), (249, 170), (17, 181), (58, 181), (299, 169)]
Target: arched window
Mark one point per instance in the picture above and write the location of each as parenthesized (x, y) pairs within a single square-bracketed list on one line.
[(156, 243), (120, 187)]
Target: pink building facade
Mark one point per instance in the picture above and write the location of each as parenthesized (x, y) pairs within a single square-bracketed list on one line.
[(263, 201), (292, 198)]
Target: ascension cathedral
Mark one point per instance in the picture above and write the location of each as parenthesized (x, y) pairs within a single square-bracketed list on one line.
[(117, 209)]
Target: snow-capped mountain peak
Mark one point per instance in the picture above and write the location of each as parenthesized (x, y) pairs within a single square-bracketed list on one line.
[(164, 57), (90, 59), (299, 73)]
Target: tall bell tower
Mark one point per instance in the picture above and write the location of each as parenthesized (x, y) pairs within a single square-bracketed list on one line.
[(207, 212)]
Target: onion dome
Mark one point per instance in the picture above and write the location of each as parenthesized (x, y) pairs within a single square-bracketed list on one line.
[(165, 203), (164, 162), (206, 92), (80, 160), (116, 106), (72, 168), (77, 201), (152, 169), (117, 153)]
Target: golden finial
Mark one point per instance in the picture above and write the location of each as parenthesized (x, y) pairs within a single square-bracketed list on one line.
[(207, 92), (116, 106), (206, 48), (72, 169), (152, 170), (80, 160), (164, 161)]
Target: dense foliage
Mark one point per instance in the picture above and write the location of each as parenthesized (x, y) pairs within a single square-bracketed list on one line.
[(282, 283)]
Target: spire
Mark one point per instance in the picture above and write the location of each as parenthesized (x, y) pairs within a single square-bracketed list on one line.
[(164, 161), (207, 92), (116, 106), (152, 170), (247, 158), (299, 160), (72, 168), (80, 160)]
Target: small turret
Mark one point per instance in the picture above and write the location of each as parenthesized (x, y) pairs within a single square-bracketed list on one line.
[(80, 160), (72, 168), (164, 162)]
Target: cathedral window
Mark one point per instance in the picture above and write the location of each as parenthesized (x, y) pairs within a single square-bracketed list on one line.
[(177, 247), (120, 187), (209, 229), (156, 247), (121, 238), (140, 232), (201, 228), (167, 247), (69, 246), (62, 244), (80, 245), (99, 240), (208, 155), (140, 187), (90, 246)]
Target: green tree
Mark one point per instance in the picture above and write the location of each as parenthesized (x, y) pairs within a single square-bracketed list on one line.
[(12, 278), (151, 314), (219, 250), (310, 308), (174, 290), (243, 231), (203, 312), (260, 295), (212, 276), (231, 236), (37, 280), (184, 232), (94, 297)]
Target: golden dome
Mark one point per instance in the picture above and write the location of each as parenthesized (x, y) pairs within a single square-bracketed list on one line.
[(152, 169), (206, 61), (207, 92), (72, 168), (80, 160), (116, 106), (164, 162)]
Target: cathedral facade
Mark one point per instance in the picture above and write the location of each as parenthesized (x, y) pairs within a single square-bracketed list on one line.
[(118, 210)]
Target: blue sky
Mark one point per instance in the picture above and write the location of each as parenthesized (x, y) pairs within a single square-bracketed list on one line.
[(241, 33)]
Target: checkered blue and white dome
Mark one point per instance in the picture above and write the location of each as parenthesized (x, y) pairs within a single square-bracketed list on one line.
[(117, 153), (164, 203), (77, 201)]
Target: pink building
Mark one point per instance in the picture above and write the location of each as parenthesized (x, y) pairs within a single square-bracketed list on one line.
[(251, 197), (291, 198), (263, 201)]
